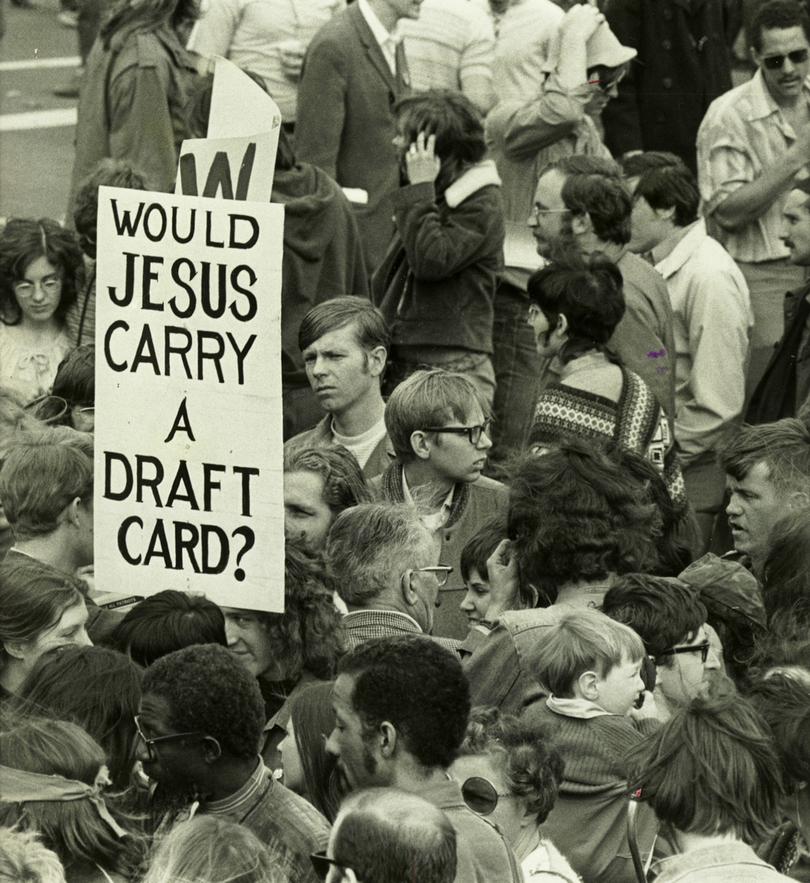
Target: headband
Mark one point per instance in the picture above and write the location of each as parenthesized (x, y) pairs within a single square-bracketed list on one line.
[(21, 786)]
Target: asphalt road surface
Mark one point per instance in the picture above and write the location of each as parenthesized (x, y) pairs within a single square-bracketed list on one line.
[(37, 55)]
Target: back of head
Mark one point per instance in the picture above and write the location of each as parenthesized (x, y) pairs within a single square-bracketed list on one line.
[(663, 611), (786, 573), (43, 472), (427, 398), (390, 836), (777, 15), (108, 173), (24, 859), (671, 187), (210, 849), (587, 292), (75, 379), (33, 597), (575, 516), (416, 685), (711, 769), (783, 446), (584, 164), (367, 544), (580, 641), (338, 312), (96, 688), (635, 165), (208, 690), (605, 200), (344, 484), (168, 621)]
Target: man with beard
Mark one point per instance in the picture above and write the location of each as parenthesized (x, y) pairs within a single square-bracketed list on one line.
[(581, 202), (200, 720), (401, 707)]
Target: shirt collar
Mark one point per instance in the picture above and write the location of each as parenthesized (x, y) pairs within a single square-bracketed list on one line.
[(687, 245), (231, 804), (381, 35), (446, 506), (762, 103)]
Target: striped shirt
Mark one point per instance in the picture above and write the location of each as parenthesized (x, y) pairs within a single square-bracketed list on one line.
[(743, 133)]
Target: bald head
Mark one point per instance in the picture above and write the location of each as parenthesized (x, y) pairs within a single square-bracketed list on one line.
[(384, 835)]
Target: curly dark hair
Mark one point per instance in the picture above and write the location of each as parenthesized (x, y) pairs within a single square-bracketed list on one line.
[(575, 515), (308, 636), (22, 241), (523, 750), (419, 687), (663, 611), (209, 690)]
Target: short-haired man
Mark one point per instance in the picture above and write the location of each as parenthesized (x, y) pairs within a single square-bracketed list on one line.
[(712, 322), (75, 382), (344, 343), (752, 144), (785, 386), (200, 720), (582, 201), (401, 707), (440, 435), (670, 619), (382, 560), (386, 835), (768, 474)]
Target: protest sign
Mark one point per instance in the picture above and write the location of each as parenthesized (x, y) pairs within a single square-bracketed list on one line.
[(188, 398)]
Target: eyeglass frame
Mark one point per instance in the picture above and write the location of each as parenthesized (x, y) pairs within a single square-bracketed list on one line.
[(446, 569), (321, 864), (704, 647), (54, 280), (536, 211), (481, 428), (151, 743), (777, 62), (497, 794)]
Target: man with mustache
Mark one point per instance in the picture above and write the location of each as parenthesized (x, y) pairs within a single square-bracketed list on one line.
[(753, 144)]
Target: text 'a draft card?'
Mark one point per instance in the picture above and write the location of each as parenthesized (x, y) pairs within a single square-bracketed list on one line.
[(188, 398)]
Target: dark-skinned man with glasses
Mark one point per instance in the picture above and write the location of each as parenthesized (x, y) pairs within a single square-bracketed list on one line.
[(753, 143), (381, 558), (199, 724), (440, 433)]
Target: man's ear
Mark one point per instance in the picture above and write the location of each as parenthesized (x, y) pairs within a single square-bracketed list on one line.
[(581, 224), (798, 500), (562, 324), (588, 686), (70, 514), (387, 739), (376, 359), (15, 649), (409, 595), (212, 750), (420, 444)]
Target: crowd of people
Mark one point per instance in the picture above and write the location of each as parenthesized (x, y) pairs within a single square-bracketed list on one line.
[(545, 358)]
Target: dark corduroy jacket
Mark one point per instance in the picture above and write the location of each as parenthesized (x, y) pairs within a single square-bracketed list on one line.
[(436, 284)]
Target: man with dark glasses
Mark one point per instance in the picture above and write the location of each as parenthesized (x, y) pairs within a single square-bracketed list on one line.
[(754, 142), (441, 435), (385, 835), (199, 723)]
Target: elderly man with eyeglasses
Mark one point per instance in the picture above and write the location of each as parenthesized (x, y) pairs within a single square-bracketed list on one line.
[(441, 435), (753, 143)]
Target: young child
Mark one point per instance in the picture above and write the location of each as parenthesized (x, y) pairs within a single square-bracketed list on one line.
[(591, 665)]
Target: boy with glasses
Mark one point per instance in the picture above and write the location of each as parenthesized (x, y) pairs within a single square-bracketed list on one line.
[(440, 434), (754, 142)]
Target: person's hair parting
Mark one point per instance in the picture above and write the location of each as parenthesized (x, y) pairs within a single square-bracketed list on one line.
[(370, 327)]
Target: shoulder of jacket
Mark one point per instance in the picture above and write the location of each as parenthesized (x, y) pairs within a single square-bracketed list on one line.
[(148, 51)]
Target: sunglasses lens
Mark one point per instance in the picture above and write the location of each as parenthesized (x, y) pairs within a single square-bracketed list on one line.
[(321, 864), (774, 62), (479, 795)]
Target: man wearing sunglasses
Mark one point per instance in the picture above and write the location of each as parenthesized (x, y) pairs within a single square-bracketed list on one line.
[(381, 557), (199, 723), (401, 707), (440, 434), (752, 145)]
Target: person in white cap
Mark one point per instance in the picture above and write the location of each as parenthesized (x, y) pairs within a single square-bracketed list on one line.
[(584, 63)]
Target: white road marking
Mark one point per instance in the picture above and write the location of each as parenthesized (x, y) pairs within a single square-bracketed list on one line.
[(38, 119), (28, 63)]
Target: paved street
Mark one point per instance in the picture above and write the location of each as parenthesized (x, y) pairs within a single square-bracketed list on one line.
[(37, 54)]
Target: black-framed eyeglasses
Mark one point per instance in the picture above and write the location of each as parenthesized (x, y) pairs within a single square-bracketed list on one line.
[(156, 740), (702, 648), (777, 62), (473, 433), (481, 795), (321, 863)]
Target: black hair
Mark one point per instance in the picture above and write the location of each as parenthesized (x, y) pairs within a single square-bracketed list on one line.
[(168, 621), (777, 15), (480, 546), (635, 165), (209, 690), (605, 200), (75, 379), (671, 187)]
